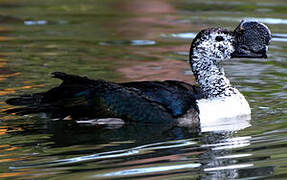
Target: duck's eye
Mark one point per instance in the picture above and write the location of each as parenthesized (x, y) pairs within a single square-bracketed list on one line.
[(219, 38)]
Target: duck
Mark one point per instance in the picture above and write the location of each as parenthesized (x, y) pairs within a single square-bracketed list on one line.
[(157, 102)]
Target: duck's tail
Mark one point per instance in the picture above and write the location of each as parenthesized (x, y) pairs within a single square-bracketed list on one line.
[(25, 100), (23, 110), (30, 101), (48, 101)]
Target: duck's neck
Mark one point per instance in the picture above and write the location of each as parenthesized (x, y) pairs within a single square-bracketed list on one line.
[(211, 77)]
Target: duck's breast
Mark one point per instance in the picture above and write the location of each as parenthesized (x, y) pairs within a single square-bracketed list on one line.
[(223, 107)]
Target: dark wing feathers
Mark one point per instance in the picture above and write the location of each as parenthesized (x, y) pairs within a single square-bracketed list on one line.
[(177, 97), (145, 101)]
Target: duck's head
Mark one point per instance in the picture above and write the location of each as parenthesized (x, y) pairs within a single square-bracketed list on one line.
[(250, 40)]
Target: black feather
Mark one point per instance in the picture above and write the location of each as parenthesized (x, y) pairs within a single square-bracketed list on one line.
[(79, 97), (146, 101)]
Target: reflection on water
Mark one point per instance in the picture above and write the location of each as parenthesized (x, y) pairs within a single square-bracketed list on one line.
[(201, 153), (39, 22), (210, 154), (131, 42), (137, 40)]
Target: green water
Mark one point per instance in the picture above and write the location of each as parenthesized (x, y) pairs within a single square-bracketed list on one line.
[(137, 40)]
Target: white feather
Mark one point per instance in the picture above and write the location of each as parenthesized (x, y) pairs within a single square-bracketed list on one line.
[(212, 109)]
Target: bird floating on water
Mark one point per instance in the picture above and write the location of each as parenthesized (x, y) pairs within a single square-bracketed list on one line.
[(160, 101)]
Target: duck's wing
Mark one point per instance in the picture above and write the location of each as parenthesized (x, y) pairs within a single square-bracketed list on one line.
[(176, 96), (82, 97)]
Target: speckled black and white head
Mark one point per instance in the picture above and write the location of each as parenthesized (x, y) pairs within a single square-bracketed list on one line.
[(214, 45)]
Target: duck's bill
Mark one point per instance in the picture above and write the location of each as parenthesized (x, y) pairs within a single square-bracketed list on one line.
[(251, 40), (243, 52)]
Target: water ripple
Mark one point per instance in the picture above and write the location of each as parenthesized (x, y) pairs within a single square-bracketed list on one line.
[(114, 154), (128, 42), (237, 166), (38, 22), (150, 170)]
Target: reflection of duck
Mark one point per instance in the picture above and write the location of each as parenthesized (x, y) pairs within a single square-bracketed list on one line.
[(160, 101)]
